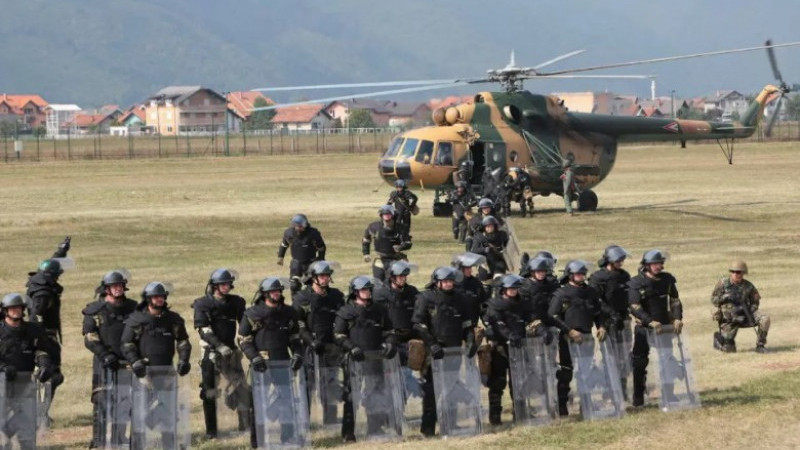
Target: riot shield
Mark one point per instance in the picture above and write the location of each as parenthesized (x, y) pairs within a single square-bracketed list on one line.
[(456, 385), (533, 382), (160, 413), (326, 394), (597, 378), (116, 408), (44, 397), (412, 396), (281, 406), (233, 392), (377, 396), (622, 345), (18, 404), (674, 369)]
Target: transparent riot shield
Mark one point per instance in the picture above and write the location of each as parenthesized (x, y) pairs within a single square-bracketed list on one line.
[(18, 403), (160, 413), (674, 368), (233, 392), (533, 381), (412, 396), (456, 385), (117, 405), (622, 345), (44, 397), (327, 392), (377, 395), (597, 378), (281, 407)]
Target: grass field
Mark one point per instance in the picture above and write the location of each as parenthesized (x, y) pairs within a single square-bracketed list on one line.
[(178, 219)]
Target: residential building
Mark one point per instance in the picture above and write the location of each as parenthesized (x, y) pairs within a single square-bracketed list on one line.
[(242, 103), (302, 117), (186, 109), (28, 111), (384, 113), (727, 102), (59, 119), (96, 123)]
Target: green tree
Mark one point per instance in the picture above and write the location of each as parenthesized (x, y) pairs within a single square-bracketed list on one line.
[(40, 131), (261, 120), (360, 118)]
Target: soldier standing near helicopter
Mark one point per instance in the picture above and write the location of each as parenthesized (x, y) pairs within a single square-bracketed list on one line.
[(391, 239), (307, 246), (568, 182), (216, 316), (462, 200), (405, 203)]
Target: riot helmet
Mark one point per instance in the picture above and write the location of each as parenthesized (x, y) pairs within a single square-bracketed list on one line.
[(11, 300), (540, 263), (115, 277), (468, 259), (299, 220), (489, 220), (266, 286), (221, 276), (400, 183), (387, 209), (511, 281), (612, 254), (154, 289), (548, 255), (399, 268), (654, 256), (358, 283), (51, 266), (485, 203)]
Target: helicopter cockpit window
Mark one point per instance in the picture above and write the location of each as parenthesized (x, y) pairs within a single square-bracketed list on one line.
[(444, 157), (393, 147), (408, 148), (425, 152)]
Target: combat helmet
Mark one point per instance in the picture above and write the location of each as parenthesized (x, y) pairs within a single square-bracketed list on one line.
[(738, 265)]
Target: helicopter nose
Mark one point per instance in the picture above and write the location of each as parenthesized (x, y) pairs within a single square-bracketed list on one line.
[(391, 170)]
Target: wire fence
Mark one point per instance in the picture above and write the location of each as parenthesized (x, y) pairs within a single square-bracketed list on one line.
[(250, 143)]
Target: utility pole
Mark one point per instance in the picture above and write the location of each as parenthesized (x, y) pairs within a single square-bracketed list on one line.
[(672, 97), (227, 126)]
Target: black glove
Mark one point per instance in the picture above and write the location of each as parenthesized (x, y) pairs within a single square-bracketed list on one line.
[(317, 346), (437, 352), (139, 368), (64, 245), (10, 371), (473, 349), (357, 354), (295, 285), (183, 367), (110, 361), (259, 364), (296, 362), (389, 350), (547, 336), (44, 373)]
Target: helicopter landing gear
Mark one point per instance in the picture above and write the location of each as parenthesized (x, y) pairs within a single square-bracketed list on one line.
[(587, 201)]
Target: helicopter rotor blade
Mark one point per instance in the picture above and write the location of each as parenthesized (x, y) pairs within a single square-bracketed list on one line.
[(355, 85), (634, 77), (372, 94), (559, 58), (668, 58), (773, 117), (773, 62)]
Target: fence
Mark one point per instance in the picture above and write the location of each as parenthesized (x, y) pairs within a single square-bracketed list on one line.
[(103, 146)]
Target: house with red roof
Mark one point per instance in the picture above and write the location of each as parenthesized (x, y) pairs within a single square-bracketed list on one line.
[(242, 103), (27, 110), (302, 117)]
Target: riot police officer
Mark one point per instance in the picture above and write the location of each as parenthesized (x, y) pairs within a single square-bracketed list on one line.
[(154, 333), (474, 226), (398, 297), (654, 301), (23, 346), (611, 282), (405, 203), (216, 316), (471, 286), (316, 307), (44, 293), (390, 238), (441, 319), (103, 323), (574, 308), (491, 243), (363, 325), (511, 319), (462, 200), (307, 246), (269, 331), (539, 285)]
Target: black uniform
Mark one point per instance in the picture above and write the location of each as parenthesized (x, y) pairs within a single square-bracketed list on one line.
[(155, 338), (390, 242), (368, 328), (462, 202), (474, 226), (400, 304), (572, 308), (651, 299), (216, 319), (442, 319), (307, 246), (492, 245), (405, 202), (612, 285), (540, 293), (511, 320), (103, 324), (270, 333), (476, 296)]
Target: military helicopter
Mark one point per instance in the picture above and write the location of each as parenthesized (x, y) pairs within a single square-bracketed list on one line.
[(514, 128)]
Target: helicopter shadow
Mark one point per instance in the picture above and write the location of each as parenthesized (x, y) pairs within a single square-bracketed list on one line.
[(604, 211), (670, 207)]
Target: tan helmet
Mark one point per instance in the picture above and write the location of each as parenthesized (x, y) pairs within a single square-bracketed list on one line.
[(738, 265)]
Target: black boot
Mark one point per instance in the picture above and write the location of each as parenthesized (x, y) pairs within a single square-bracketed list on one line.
[(639, 384), (244, 419), (210, 414), (495, 408), (563, 398)]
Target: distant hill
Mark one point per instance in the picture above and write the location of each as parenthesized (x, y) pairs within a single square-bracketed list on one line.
[(94, 52)]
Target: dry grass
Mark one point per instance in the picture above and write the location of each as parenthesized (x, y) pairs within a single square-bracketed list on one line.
[(177, 219)]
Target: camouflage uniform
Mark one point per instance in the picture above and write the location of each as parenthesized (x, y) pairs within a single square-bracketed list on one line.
[(730, 301), (568, 183)]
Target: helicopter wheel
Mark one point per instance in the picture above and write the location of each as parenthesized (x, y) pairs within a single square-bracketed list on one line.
[(587, 201)]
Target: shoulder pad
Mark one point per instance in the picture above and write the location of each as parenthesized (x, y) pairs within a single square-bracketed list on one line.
[(137, 317), (498, 304), (636, 282), (175, 317), (93, 308), (347, 311), (668, 277)]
